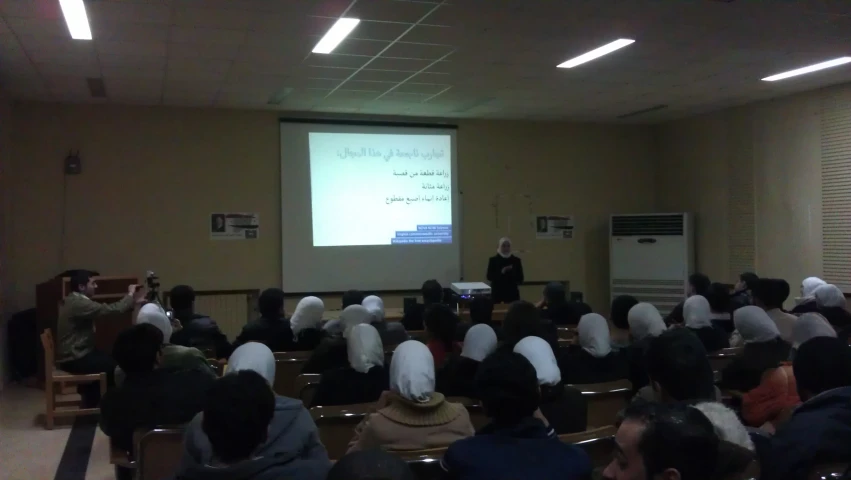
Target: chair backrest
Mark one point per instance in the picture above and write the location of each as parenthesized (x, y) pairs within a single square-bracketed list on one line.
[(598, 443), (288, 367), (305, 386), (49, 354), (723, 357), (337, 425), (218, 367), (605, 401), (158, 452), (420, 335), (832, 471), (567, 333), (474, 409), (426, 467)]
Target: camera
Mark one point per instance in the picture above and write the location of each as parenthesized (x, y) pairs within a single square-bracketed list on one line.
[(152, 282)]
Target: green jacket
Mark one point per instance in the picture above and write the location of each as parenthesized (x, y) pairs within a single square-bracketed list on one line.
[(179, 358), (76, 324)]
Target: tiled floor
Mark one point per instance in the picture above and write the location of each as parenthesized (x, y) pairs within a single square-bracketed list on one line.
[(28, 451)]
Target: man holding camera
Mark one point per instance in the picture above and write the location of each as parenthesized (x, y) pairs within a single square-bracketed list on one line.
[(76, 352)]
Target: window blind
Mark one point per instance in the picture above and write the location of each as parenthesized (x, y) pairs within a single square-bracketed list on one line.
[(836, 187)]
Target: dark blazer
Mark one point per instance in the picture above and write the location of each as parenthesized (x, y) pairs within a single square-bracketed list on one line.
[(201, 332), (565, 408), (160, 397), (712, 338), (567, 313), (805, 307), (504, 285), (744, 373), (346, 386), (455, 379), (275, 333), (579, 367), (332, 353)]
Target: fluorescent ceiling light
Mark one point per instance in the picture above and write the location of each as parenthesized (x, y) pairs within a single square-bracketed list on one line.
[(597, 53), (810, 69), (75, 17), (337, 34)]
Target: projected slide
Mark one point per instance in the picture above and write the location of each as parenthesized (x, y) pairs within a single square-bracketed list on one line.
[(380, 189)]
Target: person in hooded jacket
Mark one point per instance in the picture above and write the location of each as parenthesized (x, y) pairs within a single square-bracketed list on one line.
[(272, 328), (289, 441), (594, 361), (332, 352), (246, 433), (364, 379), (199, 331)]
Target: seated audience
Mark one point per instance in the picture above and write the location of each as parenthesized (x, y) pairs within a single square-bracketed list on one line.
[(289, 434), (698, 319), (555, 307), (819, 430), (718, 297), (659, 441), (515, 444), (272, 328), (736, 451), (332, 352), (594, 361), (239, 423), (441, 324), (392, 333), (645, 322), (199, 331), (620, 312), (769, 295), (412, 416), (455, 378), (830, 303), (523, 320), (375, 464), (352, 297), (807, 301), (678, 369), (743, 290), (763, 350), (364, 379), (149, 396), (305, 324), (769, 404), (565, 408), (481, 312), (175, 357), (698, 284), (432, 293)]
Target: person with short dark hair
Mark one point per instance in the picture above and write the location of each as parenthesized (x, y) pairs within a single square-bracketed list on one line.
[(698, 284), (432, 293), (679, 369), (199, 331), (555, 307), (819, 430), (149, 396), (515, 444), (76, 352), (237, 421), (364, 379), (743, 290), (664, 441), (769, 295), (763, 350), (619, 317), (523, 319), (272, 328), (718, 297), (289, 434), (594, 361), (505, 273), (375, 464), (352, 297), (453, 380), (698, 319), (441, 324)]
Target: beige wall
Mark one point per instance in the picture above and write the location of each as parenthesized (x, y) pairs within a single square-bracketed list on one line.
[(152, 175), (5, 220)]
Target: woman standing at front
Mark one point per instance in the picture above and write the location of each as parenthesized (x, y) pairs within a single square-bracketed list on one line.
[(505, 272)]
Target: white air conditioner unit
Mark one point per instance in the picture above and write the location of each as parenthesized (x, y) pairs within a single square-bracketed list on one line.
[(650, 257)]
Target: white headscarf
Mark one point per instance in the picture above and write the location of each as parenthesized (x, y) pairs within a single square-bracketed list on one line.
[(727, 425), (479, 342), (809, 285), (829, 296), (412, 371), (155, 315), (365, 348), (499, 247), (808, 326), (375, 306), (253, 356), (754, 325), (354, 315), (308, 314), (594, 335), (645, 321), (696, 312), (540, 355)]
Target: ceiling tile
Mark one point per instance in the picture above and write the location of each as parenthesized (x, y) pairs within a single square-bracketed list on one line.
[(336, 61), (145, 48), (112, 12), (364, 48), (133, 32), (391, 10), (203, 51), (231, 19), (404, 64), (391, 76), (416, 50), (206, 36), (30, 9), (378, 31)]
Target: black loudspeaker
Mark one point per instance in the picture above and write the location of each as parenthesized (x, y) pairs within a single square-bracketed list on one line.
[(408, 303)]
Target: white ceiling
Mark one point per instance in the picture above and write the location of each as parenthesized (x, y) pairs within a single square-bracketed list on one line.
[(458, 58)]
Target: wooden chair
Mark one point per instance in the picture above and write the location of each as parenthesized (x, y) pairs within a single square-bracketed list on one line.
[(217, 366), (722, 358), (832, 471), (567, 333), (474, 409), (598, 443), (288, 367), (420, 335), (305, 387), (605, 401), (56, 380), (158, 452), (424, 463), (337, 425)]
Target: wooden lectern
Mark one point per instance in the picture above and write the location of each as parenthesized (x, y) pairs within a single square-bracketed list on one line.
[(50, 295)]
